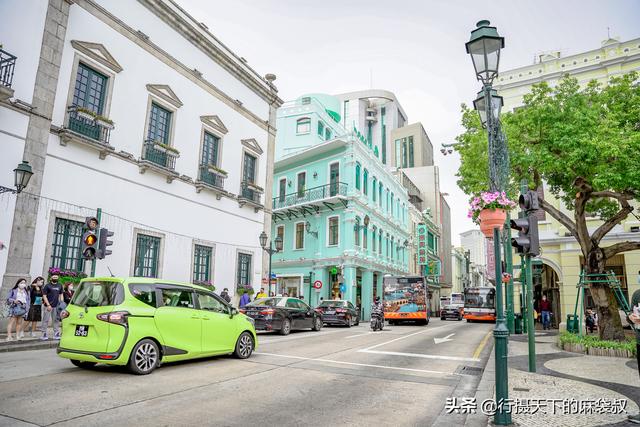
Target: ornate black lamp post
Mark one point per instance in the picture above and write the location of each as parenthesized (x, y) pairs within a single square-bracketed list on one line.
[(270, 250), (22, 175), (484, 47)]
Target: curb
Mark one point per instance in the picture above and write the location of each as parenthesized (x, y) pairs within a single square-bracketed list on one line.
[(25, 346), (485, 390)]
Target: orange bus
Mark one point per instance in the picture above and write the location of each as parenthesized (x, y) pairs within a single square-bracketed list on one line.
[(480, 303)]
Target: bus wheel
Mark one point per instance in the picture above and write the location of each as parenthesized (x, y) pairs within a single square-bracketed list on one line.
[(468, 320)]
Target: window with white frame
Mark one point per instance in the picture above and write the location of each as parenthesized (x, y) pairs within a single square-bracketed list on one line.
[(299, 236), (334, 230)]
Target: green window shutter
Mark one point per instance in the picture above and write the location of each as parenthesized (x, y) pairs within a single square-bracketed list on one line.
[(90, 89), (365, 182), (202, 263), (147, 256), (320, 128), (210, 149), (327, 134), (159, 124), (67, 238), (373, 189), (358, 176), (244, 269)]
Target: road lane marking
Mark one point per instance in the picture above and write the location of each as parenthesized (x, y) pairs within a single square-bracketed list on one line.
[(366, 365), (269, 339), (422, 356), (359, 335), (402, 337), (476, 354), (445, 339)]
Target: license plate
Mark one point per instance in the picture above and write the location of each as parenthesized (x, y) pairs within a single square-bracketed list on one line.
[(82, 330), (252, 313), (330, 312)]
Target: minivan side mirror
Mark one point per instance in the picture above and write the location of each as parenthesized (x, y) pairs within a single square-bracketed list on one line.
[(232, 312)]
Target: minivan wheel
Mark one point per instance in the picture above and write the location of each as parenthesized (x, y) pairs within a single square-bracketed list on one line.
[(317, 324), (244, 346), (286, 327), (144, 358), (83, 365)]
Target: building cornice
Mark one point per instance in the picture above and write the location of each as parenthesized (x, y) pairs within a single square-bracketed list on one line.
[(179, 20)]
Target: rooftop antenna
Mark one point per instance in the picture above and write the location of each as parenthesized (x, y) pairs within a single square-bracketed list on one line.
[(110, 272)]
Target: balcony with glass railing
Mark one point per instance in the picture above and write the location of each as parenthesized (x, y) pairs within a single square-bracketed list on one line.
[(327, 193)]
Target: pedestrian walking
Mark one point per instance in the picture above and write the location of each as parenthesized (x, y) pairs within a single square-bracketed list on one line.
[(225, 295), (244, 299), (34, 316), (18, 301), (260, 294), (545, 310), (52, 296)]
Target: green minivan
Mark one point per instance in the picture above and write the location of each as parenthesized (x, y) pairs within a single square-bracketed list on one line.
[(141, 322)]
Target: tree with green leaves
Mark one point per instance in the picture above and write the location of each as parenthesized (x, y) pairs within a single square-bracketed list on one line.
[(584, 143)]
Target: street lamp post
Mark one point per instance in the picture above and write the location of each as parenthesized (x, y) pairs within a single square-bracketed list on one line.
[(270, 250), (22, 175), (484, 47)]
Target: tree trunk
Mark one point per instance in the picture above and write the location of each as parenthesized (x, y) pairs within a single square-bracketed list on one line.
[(609, 324)]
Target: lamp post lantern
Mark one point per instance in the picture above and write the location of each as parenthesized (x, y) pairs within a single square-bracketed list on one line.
[(484, 47), (270, 250), (21, 175)]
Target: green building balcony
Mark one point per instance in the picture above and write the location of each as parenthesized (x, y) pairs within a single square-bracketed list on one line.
[(159, 158), (323, 196), (88, 129)]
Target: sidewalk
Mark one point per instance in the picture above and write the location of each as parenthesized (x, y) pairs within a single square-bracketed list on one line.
[(27, 343), (562, 375)]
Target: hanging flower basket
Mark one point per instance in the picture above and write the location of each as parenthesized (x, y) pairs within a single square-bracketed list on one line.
[(489, 210), (490, 219)]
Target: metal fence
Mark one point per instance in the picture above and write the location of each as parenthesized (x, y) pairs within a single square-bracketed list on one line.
[(87, 127), (158, 156), (249, 193), (212, 178), (7, 65)]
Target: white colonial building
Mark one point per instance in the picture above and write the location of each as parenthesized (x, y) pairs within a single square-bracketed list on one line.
[(133, 107)]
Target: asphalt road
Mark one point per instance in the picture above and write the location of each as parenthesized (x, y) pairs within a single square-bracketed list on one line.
[(347, 376)]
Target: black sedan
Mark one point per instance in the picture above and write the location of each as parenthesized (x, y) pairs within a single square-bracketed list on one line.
[(451, 312), (282, 314), (338, 312)]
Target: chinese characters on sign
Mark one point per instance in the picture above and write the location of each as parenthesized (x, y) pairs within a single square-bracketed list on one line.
[(469, 405), (422, 244)]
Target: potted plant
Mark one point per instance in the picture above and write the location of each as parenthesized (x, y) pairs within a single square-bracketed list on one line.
[(255, 187), (104, 121), (85, 113), (214, 169), (489, 209), (166, 148)]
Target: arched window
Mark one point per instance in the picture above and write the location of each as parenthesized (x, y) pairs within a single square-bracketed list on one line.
[(365, 239), (380, 194), (327, 134), (358, 176), (386, 245), (373, 189), (365, 182), (356, 232), (303, 125), (380, 243), (320, 128)]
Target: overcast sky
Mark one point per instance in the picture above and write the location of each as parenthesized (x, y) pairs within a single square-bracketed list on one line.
[(412, 48)]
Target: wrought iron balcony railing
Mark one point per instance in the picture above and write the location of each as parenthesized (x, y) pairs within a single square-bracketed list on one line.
[(250, 192), (214, 179), (153, 153), (88, 126), (7, 65), (311, 195)]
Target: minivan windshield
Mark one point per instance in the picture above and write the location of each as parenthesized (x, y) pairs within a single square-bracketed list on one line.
[(97, 294)]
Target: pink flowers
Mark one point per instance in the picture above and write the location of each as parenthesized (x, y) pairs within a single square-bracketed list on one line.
[(489, 200)]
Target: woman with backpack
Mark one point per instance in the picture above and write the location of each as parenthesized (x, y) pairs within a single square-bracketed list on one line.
[(18, 301)]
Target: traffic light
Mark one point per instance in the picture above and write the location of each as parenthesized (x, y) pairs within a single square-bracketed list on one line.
[(529, 201), (104, 243), (89, 238), (527, 241)]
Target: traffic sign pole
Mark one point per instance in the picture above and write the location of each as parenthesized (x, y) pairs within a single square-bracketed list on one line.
[(93, 262)]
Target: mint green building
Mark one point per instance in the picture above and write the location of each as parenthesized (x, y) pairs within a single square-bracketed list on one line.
[(342, 215)]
